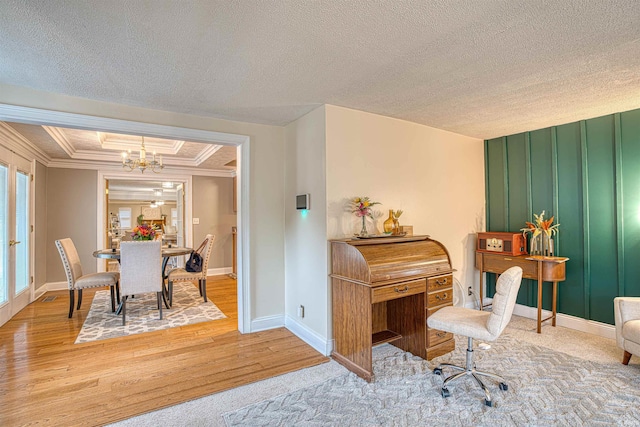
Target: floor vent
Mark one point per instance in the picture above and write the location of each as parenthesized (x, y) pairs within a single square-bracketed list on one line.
[(49, 299)]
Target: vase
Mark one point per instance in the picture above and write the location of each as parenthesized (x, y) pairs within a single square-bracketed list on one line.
[(389, 223), (396, 226), (542, 244), (363, 232)]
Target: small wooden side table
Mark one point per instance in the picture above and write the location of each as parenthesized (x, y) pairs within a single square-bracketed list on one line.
[(540, 268)]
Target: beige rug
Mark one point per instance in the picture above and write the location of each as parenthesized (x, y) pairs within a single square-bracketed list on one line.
[(546, 388), (142, 314)]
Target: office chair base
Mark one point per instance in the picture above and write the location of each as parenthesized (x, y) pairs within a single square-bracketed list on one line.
[(470, 370)]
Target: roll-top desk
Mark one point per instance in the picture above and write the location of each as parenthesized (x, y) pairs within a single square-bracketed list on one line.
[(382, 291)]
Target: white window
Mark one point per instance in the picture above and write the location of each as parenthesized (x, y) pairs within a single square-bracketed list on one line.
[(174, 217), (125, 217)]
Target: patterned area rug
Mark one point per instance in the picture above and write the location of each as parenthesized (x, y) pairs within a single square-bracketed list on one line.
[(545, 388), (142, 314)]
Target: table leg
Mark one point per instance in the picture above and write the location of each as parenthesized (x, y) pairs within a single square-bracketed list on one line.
[(539, 297), (554, 303), (481, 292)]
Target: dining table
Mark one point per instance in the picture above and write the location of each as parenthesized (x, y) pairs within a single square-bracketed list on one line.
[(167, 253)]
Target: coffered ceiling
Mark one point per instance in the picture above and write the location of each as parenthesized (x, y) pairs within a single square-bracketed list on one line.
[(69, 146), (479, 68)]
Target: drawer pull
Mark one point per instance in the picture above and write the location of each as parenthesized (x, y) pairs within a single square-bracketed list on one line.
[(441, 334), (442, 282), (443, 297), (508, 259), (403, 290)]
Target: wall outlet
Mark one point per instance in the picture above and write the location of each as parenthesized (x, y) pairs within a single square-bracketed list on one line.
[(470, 290), (196, 221), (301, 311)]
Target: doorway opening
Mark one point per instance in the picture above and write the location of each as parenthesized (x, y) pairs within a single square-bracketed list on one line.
[(12, 113)]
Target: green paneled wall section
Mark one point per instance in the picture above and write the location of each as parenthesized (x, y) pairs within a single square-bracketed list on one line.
[(587, 175)]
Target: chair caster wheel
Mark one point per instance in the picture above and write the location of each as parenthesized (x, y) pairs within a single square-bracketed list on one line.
[(437, 371), (504, 387), (445, 392), (490, 403)]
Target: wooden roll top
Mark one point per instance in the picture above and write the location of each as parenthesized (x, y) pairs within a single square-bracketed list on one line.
[(388, 259)]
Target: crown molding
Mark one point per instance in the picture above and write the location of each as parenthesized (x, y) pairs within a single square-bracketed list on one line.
[(121, 142), (207, 152), (14, 113), (60, 138), (21, 145), (113, 167)]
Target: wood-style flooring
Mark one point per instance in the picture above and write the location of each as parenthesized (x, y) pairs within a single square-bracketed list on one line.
[(46, 379)]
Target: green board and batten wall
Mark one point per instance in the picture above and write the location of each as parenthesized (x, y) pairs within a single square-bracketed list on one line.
[(587, 175)]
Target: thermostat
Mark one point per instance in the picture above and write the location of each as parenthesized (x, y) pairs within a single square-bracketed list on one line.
[(302, 201)]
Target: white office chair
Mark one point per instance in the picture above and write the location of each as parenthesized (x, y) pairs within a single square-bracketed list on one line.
[(140, 271), (482, 325)]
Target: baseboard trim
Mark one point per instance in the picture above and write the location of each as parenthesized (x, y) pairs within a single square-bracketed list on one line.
[(567, 321), (219, 271), (39, 292), (307, 335), (55, 286), (266, 323)]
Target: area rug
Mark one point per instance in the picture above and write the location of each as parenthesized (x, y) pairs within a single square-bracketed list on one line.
[(546, 388), (142, 314)]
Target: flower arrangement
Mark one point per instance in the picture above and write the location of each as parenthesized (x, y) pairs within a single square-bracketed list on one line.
[(541, 231), (540, 226), (361, 206), (143, 232)]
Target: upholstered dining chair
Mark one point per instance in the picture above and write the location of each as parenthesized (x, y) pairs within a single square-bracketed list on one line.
[(182, 275), (626, 312), (77, 281), (140, 271), (482, 325)]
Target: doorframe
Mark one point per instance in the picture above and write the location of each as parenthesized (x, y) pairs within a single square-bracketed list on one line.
[(104, 174), (16, 164), (14, 113)]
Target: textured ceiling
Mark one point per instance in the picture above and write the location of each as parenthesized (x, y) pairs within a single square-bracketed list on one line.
[(480, 68)]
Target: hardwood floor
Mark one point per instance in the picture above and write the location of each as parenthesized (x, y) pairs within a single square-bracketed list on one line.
[(46, 379)]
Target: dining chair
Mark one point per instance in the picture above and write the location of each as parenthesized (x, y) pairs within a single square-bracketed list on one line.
[(182, 275), (140, 271), (76, 280)]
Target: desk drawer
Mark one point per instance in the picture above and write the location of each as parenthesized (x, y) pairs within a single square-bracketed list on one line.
[(444, 297), (436, 337), (500, 263), (439, 283), (398, 290)]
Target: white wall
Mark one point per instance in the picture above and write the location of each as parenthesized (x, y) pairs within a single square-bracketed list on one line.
[(266, 175), (436, 177), (306, 235)]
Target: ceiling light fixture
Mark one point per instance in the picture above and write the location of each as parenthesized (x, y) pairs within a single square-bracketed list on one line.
[(141, 163)]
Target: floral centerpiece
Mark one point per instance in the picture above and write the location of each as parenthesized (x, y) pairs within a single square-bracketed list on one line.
[(541, 231), (361, 206), (143, 232)]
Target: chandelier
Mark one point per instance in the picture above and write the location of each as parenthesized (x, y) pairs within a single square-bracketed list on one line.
[(142, 162)]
